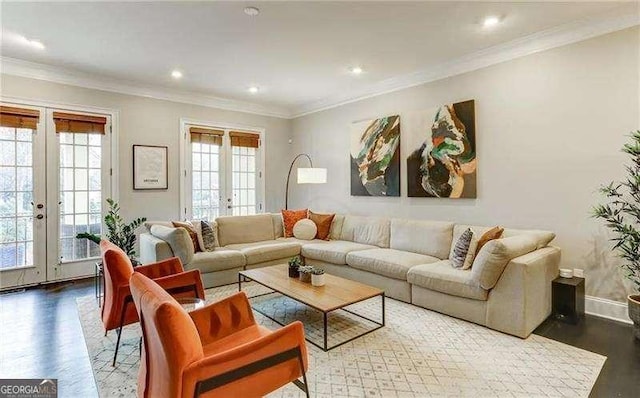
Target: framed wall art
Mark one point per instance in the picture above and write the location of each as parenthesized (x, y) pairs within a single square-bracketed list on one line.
[(375, 157), (150, 167), (442, 161)]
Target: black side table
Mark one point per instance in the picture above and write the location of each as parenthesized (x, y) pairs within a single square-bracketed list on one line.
[(568, 299), (98, 282)]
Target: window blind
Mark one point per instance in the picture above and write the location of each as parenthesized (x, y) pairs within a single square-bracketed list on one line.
[(19, 117), (247, 140), (206, 136), (75, 123)]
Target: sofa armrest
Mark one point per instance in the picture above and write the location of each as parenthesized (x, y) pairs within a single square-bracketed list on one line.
[(153, 249), (521, 299)]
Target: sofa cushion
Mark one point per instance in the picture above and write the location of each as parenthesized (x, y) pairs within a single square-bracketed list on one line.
[(149, 224), (323, 223), (305, 229), (217, 260), (387, 262), (442, 277), (336, 227), (464, 250), (193, 233), (245, 229), (209, 235), (290, 218), (178, 239), (260, 252), (366, 230), (543, 238), (431, 238), (278, 228), (491, 234), (300, 241), (496, 254), (334, 251)]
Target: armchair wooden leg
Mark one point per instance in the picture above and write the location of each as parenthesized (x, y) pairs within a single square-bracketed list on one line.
[(127, 300)]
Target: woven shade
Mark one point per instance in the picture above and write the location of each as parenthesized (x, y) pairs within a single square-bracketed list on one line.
[(75, 123), (247, 140), (21, 118), (206, 136)]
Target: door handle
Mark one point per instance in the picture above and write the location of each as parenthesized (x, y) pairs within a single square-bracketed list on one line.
[(40, 216)]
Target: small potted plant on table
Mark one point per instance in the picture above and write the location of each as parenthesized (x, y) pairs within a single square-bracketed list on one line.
[(294, 265), (317, 277), (305, 273)]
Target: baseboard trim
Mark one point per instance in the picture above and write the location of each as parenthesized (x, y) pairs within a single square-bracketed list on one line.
[(608, 309)]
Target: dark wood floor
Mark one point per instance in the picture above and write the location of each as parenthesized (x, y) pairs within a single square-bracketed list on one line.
[(41, 337), (620, 376)]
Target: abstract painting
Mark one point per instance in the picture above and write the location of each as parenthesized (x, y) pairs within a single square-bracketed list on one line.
[(375, 157), (443, 162)]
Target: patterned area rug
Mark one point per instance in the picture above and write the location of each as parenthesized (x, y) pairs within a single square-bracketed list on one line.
[(418, 353)]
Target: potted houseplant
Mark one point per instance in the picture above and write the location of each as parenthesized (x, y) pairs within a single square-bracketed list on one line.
[(317, 276), (119, 233), (305, 273), (294, 265), (621, 214)]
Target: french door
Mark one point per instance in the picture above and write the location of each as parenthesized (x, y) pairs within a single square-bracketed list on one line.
[(54, 179), (222, 172)]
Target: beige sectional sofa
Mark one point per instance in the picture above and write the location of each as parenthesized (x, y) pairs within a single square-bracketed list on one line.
[(508, 287)]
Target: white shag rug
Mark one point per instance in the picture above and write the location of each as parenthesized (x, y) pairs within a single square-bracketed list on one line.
[(419, 353)]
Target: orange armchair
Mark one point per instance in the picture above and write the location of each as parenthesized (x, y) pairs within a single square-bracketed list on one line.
[(215, 351), (116, 310)]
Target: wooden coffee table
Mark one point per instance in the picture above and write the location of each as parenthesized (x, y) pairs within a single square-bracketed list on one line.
[(336, 294)]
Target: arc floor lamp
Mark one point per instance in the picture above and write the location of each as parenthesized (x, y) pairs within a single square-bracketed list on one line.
[(306, 175)]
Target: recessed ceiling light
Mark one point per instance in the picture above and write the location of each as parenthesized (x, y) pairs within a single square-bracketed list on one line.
[(490, 21), (356, 70), (254, 89), (176, 74), (32, 43), (252, 11)]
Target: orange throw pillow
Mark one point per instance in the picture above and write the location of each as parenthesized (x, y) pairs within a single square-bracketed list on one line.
[(493, 233), (290, 218), (192, 233), (323, 222)]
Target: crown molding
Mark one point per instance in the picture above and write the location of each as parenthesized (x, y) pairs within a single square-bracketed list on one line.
[(544, 40), (541, 41), (33, 70)]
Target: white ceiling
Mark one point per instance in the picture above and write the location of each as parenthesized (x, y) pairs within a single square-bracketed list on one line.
[(297, 53)]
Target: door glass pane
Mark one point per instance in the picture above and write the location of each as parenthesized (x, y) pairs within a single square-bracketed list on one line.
[(16, 193), (205, 200), (243, 180), (80, 194)]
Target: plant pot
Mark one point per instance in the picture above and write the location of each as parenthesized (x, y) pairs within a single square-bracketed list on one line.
[(317, 280), (633, 301), (305, 277), (293, 272)]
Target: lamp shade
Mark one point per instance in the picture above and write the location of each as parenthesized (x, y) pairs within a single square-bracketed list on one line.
[(312, 175)]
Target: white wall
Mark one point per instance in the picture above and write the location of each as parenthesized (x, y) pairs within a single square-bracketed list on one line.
[(549, 131), (148, 121)]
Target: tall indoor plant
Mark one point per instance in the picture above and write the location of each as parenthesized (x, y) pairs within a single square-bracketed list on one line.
[(119, 233), (621, 214)]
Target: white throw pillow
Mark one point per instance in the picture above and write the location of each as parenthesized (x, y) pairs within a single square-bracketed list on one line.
[(305, 229)]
